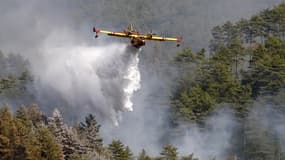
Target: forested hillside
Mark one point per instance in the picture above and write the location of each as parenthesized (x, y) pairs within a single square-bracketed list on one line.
[(245, 71), (242, 72), (246, 62)]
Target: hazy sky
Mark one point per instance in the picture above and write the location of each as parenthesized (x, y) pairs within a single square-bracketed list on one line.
[(24, 24)]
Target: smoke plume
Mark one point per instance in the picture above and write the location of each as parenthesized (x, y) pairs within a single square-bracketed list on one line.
[(268, 113), (211, 141), (88, 78)]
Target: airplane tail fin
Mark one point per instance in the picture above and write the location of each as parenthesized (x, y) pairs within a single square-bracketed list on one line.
[(131, 28), (96, 30)]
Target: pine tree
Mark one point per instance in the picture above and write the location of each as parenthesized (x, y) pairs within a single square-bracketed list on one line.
[(50, 149), (8, 138), (143, 156), (27, 134), (62, 135), (218, 39), (194, 105), (231, 32), (90, 132), (119, 151), (36, 116), (237, 54), (267, 72), (190, 157), (169, 153)]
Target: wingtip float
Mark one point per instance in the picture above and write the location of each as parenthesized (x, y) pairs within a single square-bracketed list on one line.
[(137, 39)]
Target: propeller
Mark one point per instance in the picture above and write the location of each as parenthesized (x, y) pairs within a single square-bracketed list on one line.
[(152, 32)]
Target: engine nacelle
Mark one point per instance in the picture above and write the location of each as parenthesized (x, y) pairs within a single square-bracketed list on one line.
[(149, 35)]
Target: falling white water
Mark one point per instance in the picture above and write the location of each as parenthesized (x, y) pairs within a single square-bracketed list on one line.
[(133, 82)]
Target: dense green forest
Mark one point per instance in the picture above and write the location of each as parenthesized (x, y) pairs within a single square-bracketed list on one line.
[(246, 65), (246, 62), (243, 70)]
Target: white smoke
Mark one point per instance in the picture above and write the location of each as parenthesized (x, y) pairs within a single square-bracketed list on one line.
[(91, 79), (269, 113), (211, 142)]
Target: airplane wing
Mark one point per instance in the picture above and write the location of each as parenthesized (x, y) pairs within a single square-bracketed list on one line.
[(137, 36), (156, 38), (118, 34)]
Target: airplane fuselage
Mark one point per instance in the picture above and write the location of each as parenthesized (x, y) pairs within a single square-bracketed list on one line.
[(136, 42)]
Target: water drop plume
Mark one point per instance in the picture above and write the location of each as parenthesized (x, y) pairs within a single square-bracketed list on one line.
[(90, 79)]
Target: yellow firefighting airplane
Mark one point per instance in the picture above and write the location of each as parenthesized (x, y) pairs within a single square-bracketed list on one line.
[(137, 39)]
